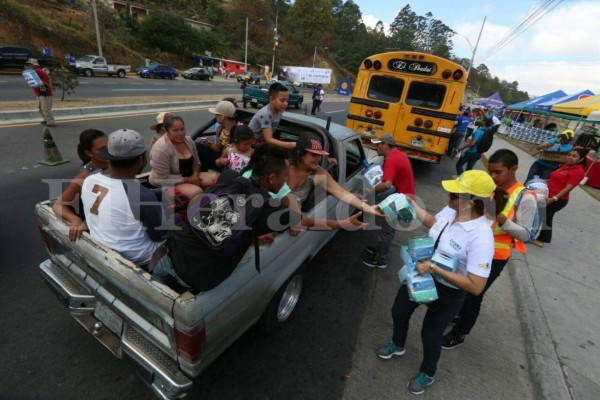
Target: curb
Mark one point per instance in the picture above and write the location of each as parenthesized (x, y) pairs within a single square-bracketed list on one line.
[(10, 117), (549, 379)]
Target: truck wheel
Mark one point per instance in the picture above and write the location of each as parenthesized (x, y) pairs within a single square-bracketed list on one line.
[(172, 77), (88, 73), (283, 304), (299, 104), (121, 74), (244, 102), (152, 76)]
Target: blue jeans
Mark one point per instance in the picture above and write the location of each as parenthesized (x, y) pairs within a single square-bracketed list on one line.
[(164, 272), (467, 158), (540, 170), (439, 315), (455, 141)]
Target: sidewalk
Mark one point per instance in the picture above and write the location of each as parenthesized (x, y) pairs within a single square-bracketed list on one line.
[(537, 334)]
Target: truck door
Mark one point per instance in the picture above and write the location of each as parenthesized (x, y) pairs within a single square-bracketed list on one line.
[(100, 66)]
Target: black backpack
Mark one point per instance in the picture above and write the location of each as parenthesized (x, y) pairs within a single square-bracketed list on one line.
[(486, 140)]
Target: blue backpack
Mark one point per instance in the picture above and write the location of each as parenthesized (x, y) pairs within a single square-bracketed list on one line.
[(536, 227)]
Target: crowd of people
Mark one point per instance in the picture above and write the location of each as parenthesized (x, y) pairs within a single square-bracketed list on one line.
[(488, 214)]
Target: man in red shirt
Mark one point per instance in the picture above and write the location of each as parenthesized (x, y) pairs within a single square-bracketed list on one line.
[(43, 93), (397, 177)]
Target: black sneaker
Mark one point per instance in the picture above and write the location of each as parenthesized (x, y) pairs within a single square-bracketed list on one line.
[(452, 340), (372, 262)]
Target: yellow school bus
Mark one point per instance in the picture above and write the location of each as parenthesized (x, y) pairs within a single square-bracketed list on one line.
[(414, 96)]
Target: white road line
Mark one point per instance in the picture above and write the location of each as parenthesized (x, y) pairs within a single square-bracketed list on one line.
[(125, 90), (3, 81), (232, 89), (333, 112)]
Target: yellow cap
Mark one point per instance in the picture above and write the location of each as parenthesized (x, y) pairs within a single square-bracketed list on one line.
[(569, 132), (475, 182)]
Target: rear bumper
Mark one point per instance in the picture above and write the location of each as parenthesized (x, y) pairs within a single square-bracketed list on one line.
[(160, 372)]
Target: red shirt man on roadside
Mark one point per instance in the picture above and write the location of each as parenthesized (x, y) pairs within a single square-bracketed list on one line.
[(398, 173), (43, 93)]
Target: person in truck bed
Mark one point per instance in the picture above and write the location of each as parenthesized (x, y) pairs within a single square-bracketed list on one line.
[(119, 212)]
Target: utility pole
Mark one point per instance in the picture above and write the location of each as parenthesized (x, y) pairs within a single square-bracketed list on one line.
[(475, 49), (275, 44), (315, 56), (97, 28)]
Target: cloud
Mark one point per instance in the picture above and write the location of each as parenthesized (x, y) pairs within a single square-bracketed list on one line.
[(371, 21)]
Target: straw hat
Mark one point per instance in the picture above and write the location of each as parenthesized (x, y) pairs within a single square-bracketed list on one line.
[(160, 118)]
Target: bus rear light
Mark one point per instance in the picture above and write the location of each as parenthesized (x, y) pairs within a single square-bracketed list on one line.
[(368, 63), (369, 113), (418, 121), (428, 124), (446, 73), (457, 74), (377, 64), (377, 114), (421, 57), (190, 344)]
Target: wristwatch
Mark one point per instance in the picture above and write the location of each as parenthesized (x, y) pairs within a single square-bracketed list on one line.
[(431, 267)]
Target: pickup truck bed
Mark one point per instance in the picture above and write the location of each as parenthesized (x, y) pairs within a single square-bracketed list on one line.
[(173, 336)]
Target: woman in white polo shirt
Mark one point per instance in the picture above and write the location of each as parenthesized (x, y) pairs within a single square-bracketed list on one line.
[(461, 229)]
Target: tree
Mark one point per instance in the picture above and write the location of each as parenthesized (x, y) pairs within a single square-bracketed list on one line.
[(64, 80), (402, 30), (308, 21)]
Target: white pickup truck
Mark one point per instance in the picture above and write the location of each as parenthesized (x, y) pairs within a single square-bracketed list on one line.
[(96, 65), (173, 336)]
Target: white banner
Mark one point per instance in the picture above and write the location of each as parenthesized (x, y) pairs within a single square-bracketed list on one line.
[(306, 75)]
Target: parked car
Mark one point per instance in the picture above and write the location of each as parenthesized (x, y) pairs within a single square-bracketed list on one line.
[(96, 65), (197, 73), (144, 68), (12, 56), (173, 334), (246, 76), (259, 95), (159, 71)]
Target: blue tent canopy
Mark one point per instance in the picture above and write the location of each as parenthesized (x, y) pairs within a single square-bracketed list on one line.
[(529, 104), (545, 106), (494, 101)]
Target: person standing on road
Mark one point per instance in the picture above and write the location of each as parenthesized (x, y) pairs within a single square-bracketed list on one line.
[(511, 227), (462, 123), (462, 230), (71, 62), (43, 93), (316, 97), (472, 155), (397, 176), (560, 184)]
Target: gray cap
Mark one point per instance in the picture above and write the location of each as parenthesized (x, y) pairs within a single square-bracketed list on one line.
[(385, 138), (124, 144)]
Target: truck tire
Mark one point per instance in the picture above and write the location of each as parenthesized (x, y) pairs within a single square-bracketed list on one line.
[(299, 104), (283, 304), (121, 74), (171, 76), (88, 73), (152, 76)]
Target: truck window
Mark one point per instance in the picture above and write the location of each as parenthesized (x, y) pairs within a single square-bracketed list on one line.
[(426, 95), (99, 61), (354, 158), (385, 89)]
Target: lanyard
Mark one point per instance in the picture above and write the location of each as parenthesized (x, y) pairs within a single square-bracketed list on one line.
[(437, 241)]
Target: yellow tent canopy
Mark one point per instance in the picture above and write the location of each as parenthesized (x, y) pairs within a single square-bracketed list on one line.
[(579, 107)]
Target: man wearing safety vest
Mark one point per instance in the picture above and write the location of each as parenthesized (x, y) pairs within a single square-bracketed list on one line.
[(511, 228)]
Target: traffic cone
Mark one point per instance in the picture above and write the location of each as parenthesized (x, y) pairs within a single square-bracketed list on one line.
[(51, 154)]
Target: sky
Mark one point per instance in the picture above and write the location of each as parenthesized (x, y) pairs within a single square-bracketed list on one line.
[(558, 52)]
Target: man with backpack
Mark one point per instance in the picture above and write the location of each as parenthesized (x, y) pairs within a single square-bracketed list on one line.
[(223, 222), (517, 224), (480, 143)]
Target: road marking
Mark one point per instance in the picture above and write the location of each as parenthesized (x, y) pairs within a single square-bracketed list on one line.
[(232, 89), (124, 90), (333, 112)]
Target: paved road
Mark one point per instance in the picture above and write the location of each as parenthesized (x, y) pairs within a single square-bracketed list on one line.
[(13, 87), (46, 355)]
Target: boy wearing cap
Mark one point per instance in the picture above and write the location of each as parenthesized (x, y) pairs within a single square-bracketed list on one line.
[(543, 168), (120, 213), (265, 122), (397, 172), (43, 93)]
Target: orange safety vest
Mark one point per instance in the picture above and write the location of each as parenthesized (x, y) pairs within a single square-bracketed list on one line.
[(503, 242)]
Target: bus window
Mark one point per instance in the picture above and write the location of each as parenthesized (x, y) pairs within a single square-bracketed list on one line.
[(385, 89), (426, 95)]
